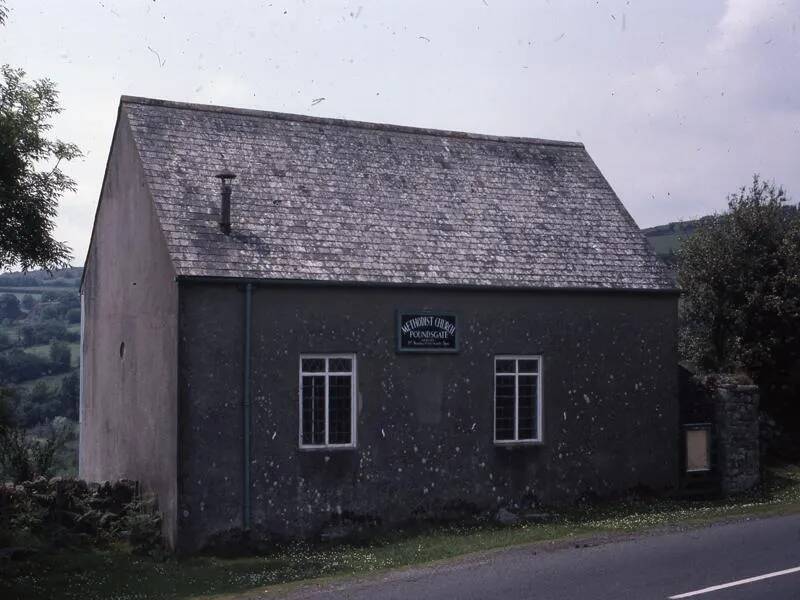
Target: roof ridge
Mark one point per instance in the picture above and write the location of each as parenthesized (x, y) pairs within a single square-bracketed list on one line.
[(342, 122)]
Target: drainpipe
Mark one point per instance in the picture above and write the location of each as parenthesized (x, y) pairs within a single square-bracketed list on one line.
[(248, 309)]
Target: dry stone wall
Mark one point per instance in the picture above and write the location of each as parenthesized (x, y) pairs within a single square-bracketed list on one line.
[(736, 413)]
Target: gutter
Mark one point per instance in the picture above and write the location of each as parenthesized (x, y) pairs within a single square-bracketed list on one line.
[(663, 291)]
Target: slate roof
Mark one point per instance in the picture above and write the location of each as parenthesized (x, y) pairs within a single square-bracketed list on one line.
[(330, 200)]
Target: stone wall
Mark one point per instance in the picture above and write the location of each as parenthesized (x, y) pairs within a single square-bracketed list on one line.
[(736, 420)]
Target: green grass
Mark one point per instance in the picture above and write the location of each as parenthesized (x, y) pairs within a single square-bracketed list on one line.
[(665, 244), (43, 350), (117, 574), (52, 381)]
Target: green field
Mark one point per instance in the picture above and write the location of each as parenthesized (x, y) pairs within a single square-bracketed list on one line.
[(666, 239), (52, 381), (43, 350), (66, 282)]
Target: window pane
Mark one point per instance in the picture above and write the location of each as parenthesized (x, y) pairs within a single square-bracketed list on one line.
[(504, 365), (313, 410), (527, 407), (339, 407), (504, 407), (340, 365), (529, 366), (313, 365)]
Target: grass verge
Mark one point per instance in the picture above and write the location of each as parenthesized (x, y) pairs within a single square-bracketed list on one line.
[(115, 573)]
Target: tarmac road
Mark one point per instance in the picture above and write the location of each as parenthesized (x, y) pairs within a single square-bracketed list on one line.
[(753, 559)]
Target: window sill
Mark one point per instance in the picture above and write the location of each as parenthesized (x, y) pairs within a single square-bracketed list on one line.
[(327, 448), (517, 443)]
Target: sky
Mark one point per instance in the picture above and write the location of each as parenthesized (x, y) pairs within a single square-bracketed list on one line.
[(678, 102)]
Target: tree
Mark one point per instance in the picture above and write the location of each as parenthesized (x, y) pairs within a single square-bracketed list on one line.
[(5, 341), (740, 277), (9, 306), (31, 180), (43, 332), (28, 302), (17, 366), (37, 406), (7, 395), (60, 356), (68, 396), (52, 311)]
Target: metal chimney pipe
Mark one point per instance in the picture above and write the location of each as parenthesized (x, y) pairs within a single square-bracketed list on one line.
[(225, 178)]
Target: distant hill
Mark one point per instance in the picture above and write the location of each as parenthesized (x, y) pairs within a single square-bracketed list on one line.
[(60, 278), (666, 239)]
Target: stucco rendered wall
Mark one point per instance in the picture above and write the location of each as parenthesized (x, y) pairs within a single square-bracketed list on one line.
[(129, 349), (425, 421)]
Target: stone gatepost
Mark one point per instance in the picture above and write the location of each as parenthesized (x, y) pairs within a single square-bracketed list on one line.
[(736, 419)]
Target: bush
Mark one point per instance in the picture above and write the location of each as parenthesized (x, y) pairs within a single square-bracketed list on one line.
[(52, 311), (37, 406), (28, 302), (60, 513), (9, 306), (44, 403), (60, 356), (44, 332), (24, 456), (73, 315), (17, 366)]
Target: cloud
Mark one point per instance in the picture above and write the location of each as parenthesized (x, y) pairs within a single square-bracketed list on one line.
[(709, 117), (678, 109), (745, 19)]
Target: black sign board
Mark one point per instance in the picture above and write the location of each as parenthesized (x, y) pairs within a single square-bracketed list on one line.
[(426, 332)]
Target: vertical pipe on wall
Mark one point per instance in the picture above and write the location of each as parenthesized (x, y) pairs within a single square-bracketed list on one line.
[(248, 306)]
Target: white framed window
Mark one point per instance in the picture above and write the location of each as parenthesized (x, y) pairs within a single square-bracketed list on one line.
[(327, 400), (517, 399)]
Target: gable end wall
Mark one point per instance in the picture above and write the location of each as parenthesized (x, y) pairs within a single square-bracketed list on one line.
[(129, 345)]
